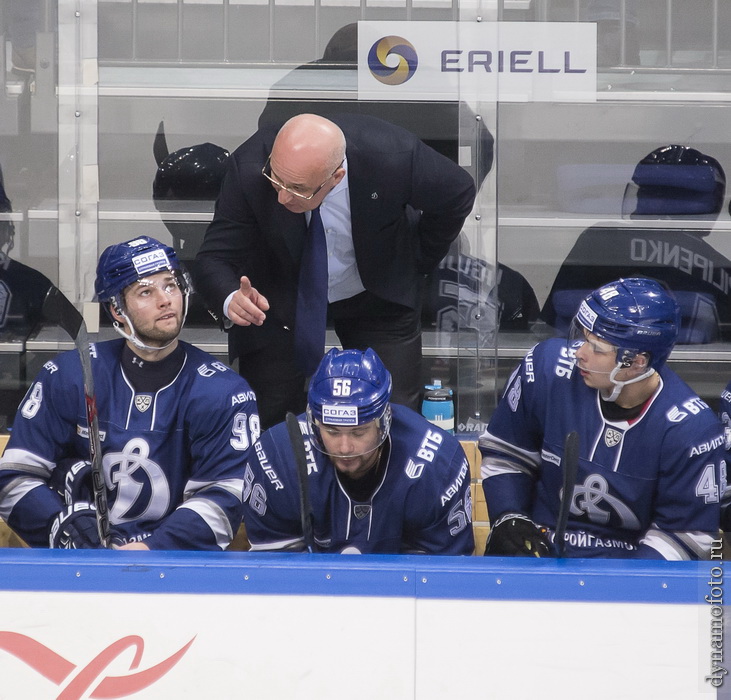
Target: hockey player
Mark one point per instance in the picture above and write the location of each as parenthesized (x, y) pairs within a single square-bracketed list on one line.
[(651, 453), (726, 420), (381, 478), (22, 291), (176, 425)]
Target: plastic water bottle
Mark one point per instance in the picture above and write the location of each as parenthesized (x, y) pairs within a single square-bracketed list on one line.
[(438, 405)]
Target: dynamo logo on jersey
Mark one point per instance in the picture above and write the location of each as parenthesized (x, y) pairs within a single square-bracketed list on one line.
[(340, 415), (152, 261), (379, 54)]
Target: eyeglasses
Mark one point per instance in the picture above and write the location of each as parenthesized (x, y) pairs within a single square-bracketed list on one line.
[(280, 186)]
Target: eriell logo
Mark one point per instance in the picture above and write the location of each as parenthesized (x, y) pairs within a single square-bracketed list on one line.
[(529, 61), (75, 681), (378, 62)]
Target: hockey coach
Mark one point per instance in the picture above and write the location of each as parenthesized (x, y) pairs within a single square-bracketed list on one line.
[(321, 220)]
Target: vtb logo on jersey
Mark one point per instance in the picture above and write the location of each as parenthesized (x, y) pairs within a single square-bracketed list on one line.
[(612, 437), (143, 402), (414, 469)]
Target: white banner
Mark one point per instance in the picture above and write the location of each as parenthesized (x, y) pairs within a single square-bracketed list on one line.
[(495, 61), (96, 625), (71, 646)]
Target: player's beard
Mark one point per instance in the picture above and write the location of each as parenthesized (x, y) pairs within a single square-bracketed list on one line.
[(356, 467), (158, 334)]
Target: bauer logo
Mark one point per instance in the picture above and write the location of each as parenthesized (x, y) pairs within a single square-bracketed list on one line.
[(392, 60), (150, 262), (340, 415)]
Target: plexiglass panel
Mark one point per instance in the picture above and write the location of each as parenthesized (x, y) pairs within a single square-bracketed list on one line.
[(88, 89)]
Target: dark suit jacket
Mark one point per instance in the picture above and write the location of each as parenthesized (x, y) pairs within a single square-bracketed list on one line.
[(407, 202)]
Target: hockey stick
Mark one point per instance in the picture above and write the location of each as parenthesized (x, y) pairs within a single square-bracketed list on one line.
[(59, 310), (570, 464), (300, 458)]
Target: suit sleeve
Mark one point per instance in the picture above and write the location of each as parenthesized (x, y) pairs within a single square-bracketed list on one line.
[(220, 262), (444, 194)]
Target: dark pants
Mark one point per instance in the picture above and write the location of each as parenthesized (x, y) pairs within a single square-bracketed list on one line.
[(392, 330)]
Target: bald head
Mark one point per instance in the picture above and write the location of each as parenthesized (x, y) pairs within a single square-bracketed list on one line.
[(307, 152), (311, 139)]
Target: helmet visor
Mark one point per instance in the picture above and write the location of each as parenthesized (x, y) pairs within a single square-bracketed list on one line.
[(172, 283), (579, 336), (344, 441)]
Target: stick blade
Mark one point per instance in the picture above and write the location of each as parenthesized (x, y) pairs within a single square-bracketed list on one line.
[(59, 310)]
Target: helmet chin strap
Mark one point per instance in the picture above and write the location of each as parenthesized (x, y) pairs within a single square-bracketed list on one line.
[(132, 337), (619, 385)]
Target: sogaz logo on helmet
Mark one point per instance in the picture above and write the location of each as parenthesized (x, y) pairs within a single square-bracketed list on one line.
[(340, 415), (151, 261), (587, 316), (397, 46)]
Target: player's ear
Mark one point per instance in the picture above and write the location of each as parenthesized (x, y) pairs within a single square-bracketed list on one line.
[(114, 313), (641, 361)]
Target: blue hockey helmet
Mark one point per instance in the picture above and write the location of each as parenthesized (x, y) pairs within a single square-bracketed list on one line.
[(349, 388), (193, 172), (676, 180), (637, 315), (123, 264)]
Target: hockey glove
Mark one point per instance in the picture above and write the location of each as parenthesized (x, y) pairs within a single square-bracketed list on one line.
[(77, 482), (515, 535), (75, 528)]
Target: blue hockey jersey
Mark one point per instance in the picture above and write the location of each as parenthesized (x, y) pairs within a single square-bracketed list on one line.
[(726, 412), (726, 420), (648, 488), (421, 505), (173, 461)]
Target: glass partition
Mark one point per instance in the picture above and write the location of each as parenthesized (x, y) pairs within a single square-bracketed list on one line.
[(95, 94)]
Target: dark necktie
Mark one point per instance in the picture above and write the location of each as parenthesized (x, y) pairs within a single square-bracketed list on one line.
[(309, 326)]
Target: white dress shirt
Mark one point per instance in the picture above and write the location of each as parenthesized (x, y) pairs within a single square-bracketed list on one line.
[(342, 270)]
